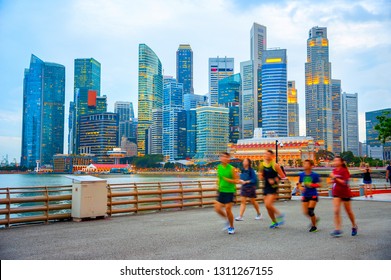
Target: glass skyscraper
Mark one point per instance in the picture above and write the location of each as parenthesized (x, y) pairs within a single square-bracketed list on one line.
[(274, 93), (212, 132), (318, 88), (257, 48), (184, 68), (192, 101), (350, 123), (293, 110), (229, 92), (247, 100), (372, 135), (86, 97), (172, 106), (337, 115), (150, 91), (219, 68), (43, 112), (126, 120)]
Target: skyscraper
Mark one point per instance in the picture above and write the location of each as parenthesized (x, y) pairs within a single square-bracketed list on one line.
[(86, 92), (212, 131), (99, 135), (172, 106), (350, 123), (372, 135), (337, 115), (293, 110), (247, 121), (258, 46), (156, 132), (150, 91), (184, 68), (191, 133), (318, 88), (229, 91), (43, 112), (274, 93), (219, 68), (126, 120), (192, 101)]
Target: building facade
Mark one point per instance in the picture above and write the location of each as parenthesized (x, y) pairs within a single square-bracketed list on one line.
[(127, 127), (274, 93), (228, 97), (219, 68), (375, 148), (184, 68), (99, 135), (318, 88), (247, 101), (293, 110), (212, 132), (192, 101), (43, 112), (337, 115), (150, 92), (156, 133), (350, 126)]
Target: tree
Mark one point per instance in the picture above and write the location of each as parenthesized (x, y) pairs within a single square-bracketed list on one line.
[(347, 156), (384, 128), (324, 155), (290, 162)]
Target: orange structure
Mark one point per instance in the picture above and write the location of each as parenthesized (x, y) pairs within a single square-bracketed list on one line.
[(290, 148)]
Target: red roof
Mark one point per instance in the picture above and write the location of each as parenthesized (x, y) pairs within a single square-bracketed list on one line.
[(98, 165)]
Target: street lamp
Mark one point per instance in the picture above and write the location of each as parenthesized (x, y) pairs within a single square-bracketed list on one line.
[(278, 144)]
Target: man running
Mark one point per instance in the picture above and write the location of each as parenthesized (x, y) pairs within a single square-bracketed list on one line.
[(308, 184), (269, 172), (226, 178)]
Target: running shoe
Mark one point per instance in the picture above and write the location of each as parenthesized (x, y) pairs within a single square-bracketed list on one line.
[(313, 229), (281, 219), (238, 218), (231, 230), (226, 226), (354, 230), (258, 217), (273, 225), (336, 233)]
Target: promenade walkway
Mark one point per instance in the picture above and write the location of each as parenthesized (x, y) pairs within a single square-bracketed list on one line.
[(197, 234)]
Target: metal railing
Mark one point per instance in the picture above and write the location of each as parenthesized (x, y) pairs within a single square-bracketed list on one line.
[(25, 205), (34, 204)]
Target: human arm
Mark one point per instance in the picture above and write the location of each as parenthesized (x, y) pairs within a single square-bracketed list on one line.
[(279, 171), (235, 178)]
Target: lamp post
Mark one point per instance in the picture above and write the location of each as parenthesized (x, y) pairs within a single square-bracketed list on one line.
[(281, 145)]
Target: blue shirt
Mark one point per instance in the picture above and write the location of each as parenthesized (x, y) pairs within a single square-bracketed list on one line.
[(249, 175), (307, 180)]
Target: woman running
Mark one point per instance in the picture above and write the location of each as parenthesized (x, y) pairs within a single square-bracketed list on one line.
[(269, 172), (367, 180), (308, 184), (248, 179), (226, 178), (342, 195)]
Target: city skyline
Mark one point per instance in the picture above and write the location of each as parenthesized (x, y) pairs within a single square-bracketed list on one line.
[(356, 52)]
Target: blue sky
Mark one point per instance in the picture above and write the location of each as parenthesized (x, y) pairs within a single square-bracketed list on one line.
[(110, 31)]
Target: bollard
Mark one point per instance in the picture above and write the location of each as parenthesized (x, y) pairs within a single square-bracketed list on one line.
[(362, 190)]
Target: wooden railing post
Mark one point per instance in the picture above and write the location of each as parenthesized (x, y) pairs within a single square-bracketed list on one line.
[(160, 196), (8, 206), (201, 192), (136, 196), (47, 205), (181, 189), (110, 199)]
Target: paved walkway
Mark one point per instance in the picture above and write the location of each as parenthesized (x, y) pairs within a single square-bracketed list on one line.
[(196, 234)]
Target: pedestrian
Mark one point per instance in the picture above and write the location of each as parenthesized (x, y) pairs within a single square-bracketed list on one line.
[(388, 173), (270, 172), (249, 181), (367, 180), (226, 178), (308, 184), (341, 195)]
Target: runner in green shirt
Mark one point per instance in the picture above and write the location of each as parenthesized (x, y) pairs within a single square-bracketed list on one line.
[(226, 179)]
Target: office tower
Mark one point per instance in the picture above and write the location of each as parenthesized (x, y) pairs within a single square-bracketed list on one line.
[(156, 132), (212, 132), (247, 103), (257, 47), (86, 97), (219, 68), (191, 133), (182, 134), (172, 105), (184, 68), (350, 123), (336, 103), (99, 135), (375, 148), (293, 110), (192, 101), (318, 88), (126, 120), (274, 93), (228, 97), (150, 91), (43, 112)]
